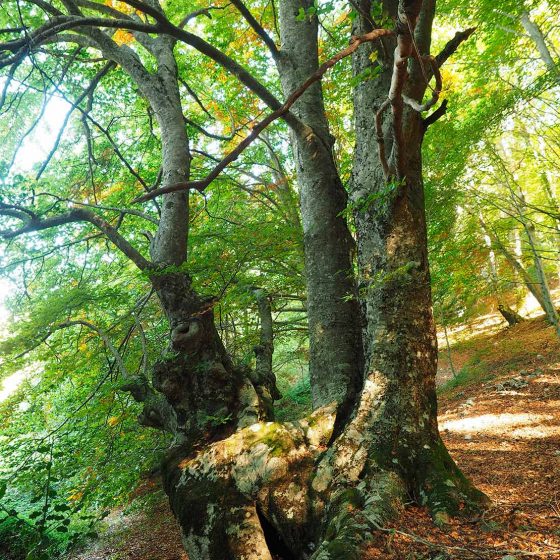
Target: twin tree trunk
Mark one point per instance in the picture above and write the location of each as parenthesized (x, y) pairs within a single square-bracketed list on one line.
[(242, 487)]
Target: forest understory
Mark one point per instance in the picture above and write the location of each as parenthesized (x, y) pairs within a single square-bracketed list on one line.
[(500, 419)]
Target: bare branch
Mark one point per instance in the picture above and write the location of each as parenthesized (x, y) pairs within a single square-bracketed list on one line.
[(453, 45), (201, 12), (435, 92)]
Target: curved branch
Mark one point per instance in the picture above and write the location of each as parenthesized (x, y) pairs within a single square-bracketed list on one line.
[(201, 12), (201, 184), (106, 340), (76, 215), (421, 107), (63, 23), (85, 93)]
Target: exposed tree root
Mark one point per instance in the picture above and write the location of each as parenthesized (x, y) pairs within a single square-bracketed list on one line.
[(272, 489)]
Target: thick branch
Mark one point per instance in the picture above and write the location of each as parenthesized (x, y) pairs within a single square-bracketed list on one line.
[(408, 12), (437, 114), (200, 185), (76, 215)]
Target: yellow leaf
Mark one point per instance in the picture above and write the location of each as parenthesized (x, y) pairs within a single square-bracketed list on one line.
[(122, 37), (112, 421)]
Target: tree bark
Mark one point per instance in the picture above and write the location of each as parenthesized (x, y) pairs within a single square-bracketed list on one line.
[(335, 360), (243, 488), (396, 425), (205, 394), (511, 316), (264, 379), (288, 487)]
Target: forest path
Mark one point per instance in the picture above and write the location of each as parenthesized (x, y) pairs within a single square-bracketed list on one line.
[(500, 419), (149, 534)]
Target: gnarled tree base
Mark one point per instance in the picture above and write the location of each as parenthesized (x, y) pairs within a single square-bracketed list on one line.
[(275, 489)]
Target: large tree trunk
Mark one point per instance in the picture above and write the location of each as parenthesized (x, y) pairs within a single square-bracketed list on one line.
[(247, 489), (205, 394), (335, 361), (396, 425)]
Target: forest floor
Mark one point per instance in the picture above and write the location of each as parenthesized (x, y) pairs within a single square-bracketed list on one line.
[(499, 417)]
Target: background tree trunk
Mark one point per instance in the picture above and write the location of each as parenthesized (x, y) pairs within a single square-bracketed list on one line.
[(264, 378)]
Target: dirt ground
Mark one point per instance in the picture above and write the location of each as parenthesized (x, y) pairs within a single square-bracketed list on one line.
[(500, 418)]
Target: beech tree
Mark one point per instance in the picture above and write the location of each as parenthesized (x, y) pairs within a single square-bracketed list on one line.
[(241, 485)]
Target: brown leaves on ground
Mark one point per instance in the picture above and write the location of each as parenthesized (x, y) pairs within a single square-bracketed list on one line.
[(505, 435), (503, 431)]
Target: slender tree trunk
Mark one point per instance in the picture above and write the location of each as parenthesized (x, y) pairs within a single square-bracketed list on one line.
[(532, 286), (448, 348), (536, 35), (548, 302), (519, 203), (507, 313), (552, 201), (265, 380)]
